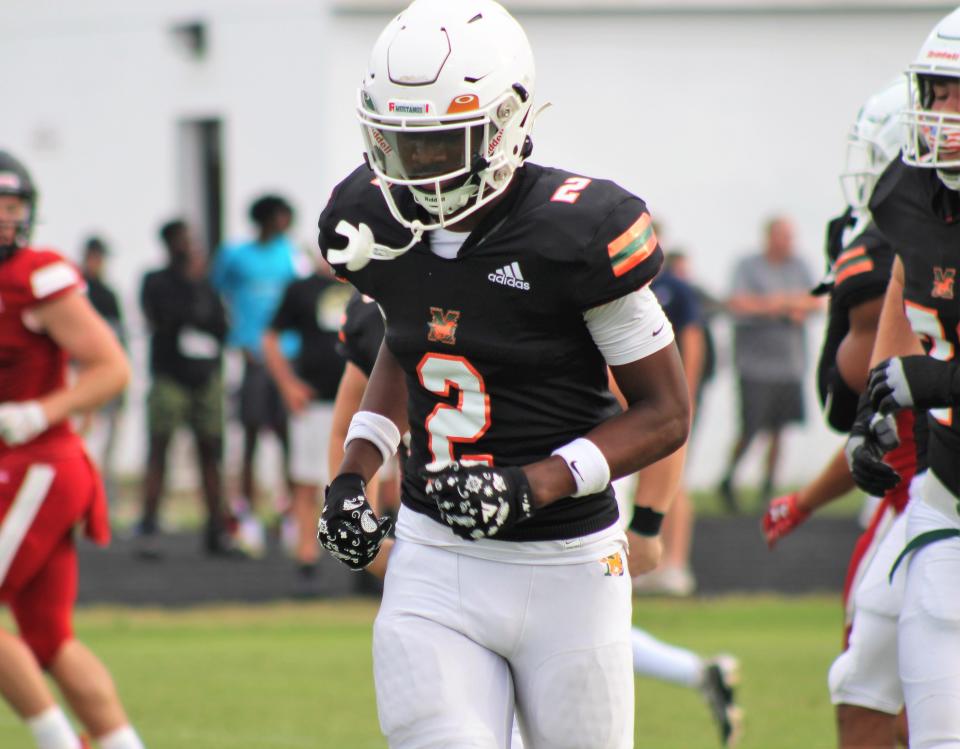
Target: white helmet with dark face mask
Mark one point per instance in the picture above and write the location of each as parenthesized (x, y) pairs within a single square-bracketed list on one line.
[(875, 140), (446, 106), (933, 137)]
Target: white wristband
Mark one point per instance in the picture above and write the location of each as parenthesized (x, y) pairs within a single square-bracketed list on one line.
[(376, 429), (587, 464)]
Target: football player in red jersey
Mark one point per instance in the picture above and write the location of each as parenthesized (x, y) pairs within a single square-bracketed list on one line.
[(48, 485), (516, 287)]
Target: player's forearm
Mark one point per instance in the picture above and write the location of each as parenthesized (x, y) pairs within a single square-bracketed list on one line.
[(95, 384), (693, 349), (895, 337), (386, 395), (276, 363), (833, 482), (655, 424)]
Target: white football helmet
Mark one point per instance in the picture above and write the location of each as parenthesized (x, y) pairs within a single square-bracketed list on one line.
[(933, 138), (446, 106), (874, 141)]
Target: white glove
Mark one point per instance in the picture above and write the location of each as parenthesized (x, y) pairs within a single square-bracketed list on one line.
[(21, 422), (359, 249)]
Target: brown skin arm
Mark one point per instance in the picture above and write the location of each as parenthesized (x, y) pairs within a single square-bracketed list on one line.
[(102, 367), (693, 347), (655, 424), (853, 355), (385, 394), (833, 482), (895, 336)]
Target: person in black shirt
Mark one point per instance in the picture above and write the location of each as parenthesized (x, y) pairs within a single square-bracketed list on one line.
[(511, 289), (100, 429), (188, 326), (312, 307)]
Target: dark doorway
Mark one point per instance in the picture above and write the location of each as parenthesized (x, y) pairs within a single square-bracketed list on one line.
[(200, 147)]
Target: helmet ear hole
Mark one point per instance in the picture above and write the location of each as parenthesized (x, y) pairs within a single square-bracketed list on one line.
[(527, 148)]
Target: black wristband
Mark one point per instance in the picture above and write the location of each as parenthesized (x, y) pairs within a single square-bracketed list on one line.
[(646, 521)]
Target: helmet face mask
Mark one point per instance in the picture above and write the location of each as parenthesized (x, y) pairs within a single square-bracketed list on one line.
[(874, 141), (933, 113), (445, 108)]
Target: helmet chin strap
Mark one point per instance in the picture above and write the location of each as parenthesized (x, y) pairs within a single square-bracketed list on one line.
[(950, 178)]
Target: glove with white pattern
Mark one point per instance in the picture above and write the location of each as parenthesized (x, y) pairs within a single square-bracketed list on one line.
[(782, 517), (916, 381), (21, 422), (348, 527), (478, 501)]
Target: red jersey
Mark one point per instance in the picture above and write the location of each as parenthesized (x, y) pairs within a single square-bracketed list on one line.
[(31, 363)]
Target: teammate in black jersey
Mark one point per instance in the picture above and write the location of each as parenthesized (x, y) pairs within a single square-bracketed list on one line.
[(864, 679), (916, 205), (510, 289)]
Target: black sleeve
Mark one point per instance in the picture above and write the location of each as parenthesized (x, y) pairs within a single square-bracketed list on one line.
[(152, 306), (285, 318), (361, 333), (622, 257), (860, 274)]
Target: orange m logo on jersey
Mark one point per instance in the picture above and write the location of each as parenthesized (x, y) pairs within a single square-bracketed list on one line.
[(443, 325), (943, 279), (614, 565)]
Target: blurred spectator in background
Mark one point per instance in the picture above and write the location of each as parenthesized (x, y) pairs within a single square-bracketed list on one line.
[(312, 307), (252, 276), (99, 429), (770, 302), (188, 325), (682, 307)]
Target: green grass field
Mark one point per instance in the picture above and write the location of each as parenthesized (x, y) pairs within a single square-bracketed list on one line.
[(290, 676)]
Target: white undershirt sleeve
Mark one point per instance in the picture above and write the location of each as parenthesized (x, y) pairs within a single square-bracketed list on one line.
[(629, 328)]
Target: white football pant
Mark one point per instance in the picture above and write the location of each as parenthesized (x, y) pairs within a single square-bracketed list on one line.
[(460, 641)]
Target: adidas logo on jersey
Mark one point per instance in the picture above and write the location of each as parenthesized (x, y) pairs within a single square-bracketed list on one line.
[(510, 275)]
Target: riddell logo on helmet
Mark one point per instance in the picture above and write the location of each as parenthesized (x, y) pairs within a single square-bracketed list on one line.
[(380, 141), (409, 107), (494, 143), (942, 54)]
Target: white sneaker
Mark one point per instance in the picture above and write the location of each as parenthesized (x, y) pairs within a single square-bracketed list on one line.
[(667, 581), (251, 536)]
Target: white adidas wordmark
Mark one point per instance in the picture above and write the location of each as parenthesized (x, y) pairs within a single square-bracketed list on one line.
[(510, 275)]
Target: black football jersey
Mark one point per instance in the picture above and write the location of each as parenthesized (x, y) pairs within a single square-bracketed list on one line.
[(921, 219), (361, 332), (859, 272), (500, 366)]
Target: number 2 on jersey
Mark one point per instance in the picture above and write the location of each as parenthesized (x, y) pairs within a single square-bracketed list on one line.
[(463, 423), (926, 323)]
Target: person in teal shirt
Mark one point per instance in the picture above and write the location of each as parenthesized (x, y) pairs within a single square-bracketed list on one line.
[(252, 277)]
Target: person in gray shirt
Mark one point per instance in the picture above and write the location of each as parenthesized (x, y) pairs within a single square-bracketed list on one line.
[(770, 302)]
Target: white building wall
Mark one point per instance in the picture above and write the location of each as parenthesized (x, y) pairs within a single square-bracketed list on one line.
[(716, 119)]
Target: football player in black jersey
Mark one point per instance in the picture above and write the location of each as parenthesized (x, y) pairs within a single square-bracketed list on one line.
[(507, 289), (916, 205), (864, 679)]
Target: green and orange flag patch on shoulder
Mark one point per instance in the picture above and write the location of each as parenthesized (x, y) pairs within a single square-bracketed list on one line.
[(633, 246), (853, 262)]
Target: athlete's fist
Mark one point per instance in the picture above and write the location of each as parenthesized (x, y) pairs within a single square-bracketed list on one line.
[(917, 381), (871, 437), (21, 422), (478, 501), (348, 527), (783, 515)]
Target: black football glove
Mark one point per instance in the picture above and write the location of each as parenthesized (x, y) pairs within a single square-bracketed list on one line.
[(871, 437), (917, 381), (478, 501), (348, 527)]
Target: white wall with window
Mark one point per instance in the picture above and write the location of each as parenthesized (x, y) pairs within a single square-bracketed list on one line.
[(717, 113)]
